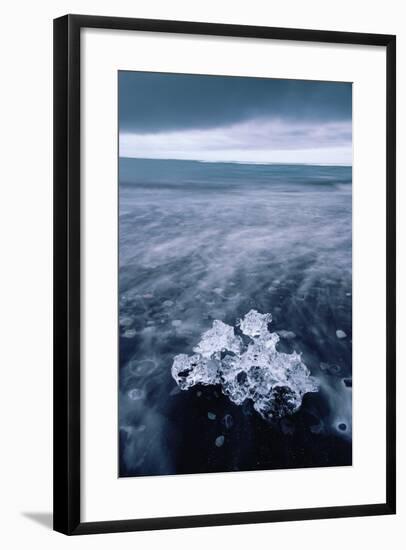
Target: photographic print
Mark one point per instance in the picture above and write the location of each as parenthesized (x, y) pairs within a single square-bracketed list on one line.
[(235, 273)]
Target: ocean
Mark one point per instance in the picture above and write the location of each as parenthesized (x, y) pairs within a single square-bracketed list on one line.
[(200, 242)]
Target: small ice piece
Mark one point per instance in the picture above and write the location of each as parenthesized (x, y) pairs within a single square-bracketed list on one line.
[(348, 293), (341, 334), (130, 333), (211, 416), (287, 334), (148, 296), (136, 393), (167, 303), (217, 339), (219, 441), (175, 391), (255, 324), (176, 323)]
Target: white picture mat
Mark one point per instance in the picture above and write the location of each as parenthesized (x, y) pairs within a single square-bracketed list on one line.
[(103, 495)]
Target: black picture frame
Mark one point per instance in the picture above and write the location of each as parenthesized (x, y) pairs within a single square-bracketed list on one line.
[(67, 264)]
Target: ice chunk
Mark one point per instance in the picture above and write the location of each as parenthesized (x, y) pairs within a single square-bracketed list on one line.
[(341, 334), (219, 441), (255, 324), (211, 416), (281, 401), (189, 371), (219, 338), (275, 382)]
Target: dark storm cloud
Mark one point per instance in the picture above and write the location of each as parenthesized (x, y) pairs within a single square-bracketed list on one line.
[(158, 102), (236, 119)]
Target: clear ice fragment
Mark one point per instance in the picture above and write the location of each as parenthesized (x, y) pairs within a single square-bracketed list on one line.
[(273, 381), (187, 371), (255, 324), (217, 339)]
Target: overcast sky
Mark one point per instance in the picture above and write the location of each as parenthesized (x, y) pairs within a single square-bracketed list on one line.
[(214, 118)]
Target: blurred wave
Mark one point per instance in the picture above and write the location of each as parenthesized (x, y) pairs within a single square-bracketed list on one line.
[(205, 241)]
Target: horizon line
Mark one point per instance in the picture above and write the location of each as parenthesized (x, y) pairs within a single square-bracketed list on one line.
[(262, 163)]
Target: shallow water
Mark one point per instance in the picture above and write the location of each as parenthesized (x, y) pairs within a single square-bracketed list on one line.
[(203, 241)]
